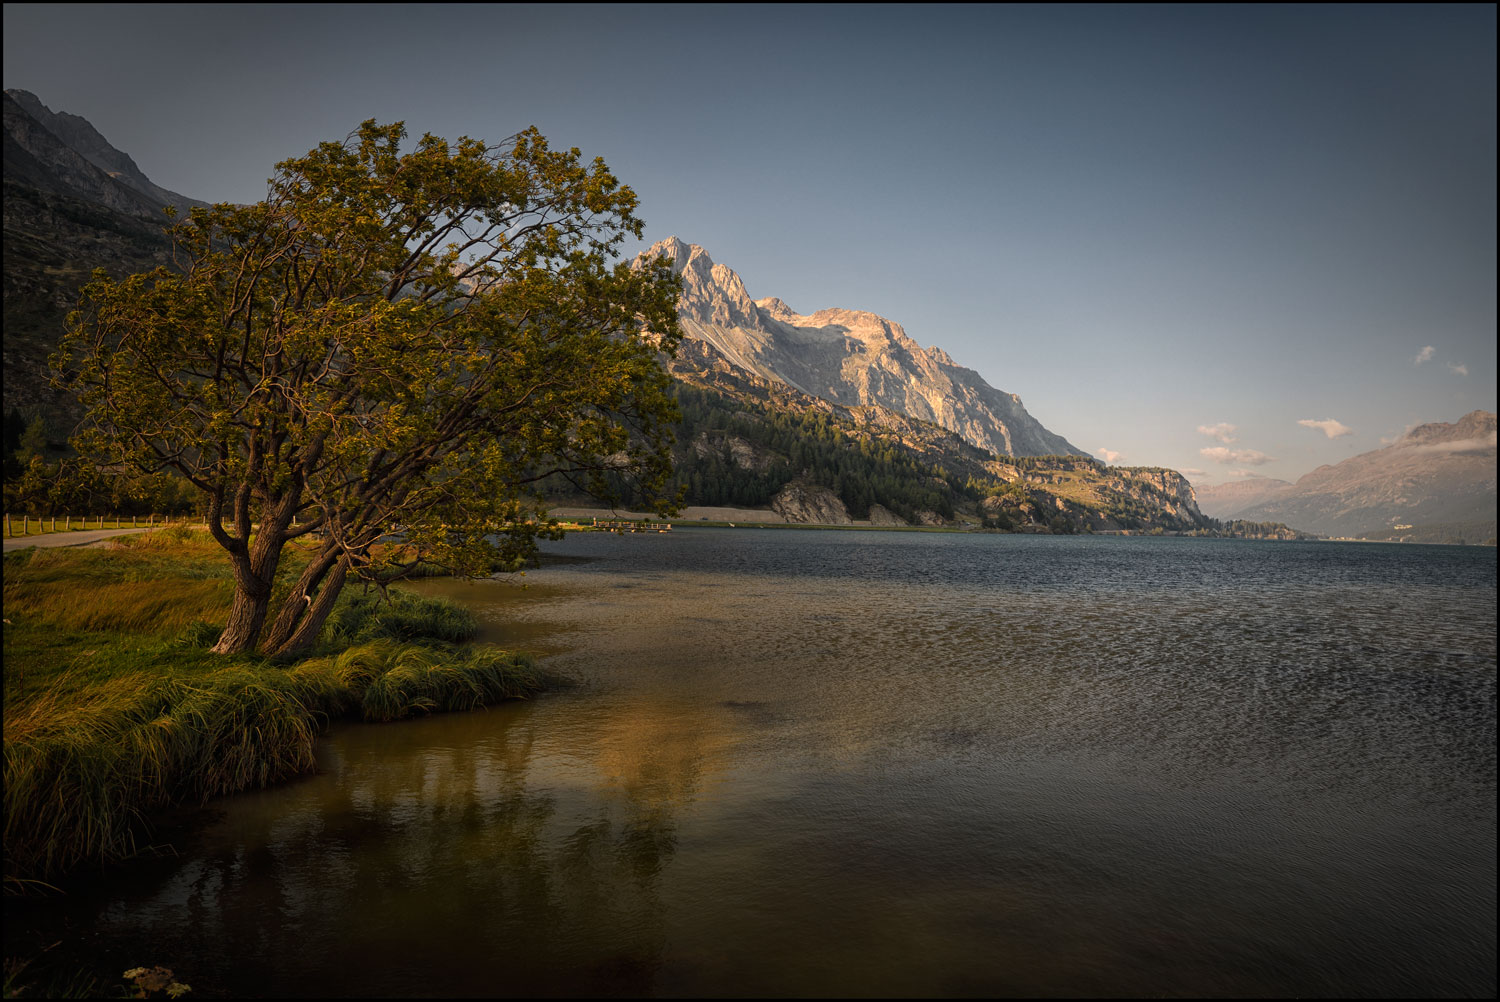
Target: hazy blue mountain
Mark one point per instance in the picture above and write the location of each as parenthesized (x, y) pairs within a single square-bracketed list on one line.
[(1228, 500), (1438, 479)]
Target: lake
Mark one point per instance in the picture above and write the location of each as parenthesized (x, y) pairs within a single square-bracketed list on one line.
[(911, 764)]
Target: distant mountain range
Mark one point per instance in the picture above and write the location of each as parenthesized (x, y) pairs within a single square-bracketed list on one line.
[(848, 357), (834, 415), (839, 416), (1435, 484)]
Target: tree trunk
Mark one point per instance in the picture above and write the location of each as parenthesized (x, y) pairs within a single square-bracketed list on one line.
[(246, 616), (254, 575), (307, 613), (299, 601)]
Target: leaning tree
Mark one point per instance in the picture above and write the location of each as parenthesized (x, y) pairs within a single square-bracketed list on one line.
[(388, 356)]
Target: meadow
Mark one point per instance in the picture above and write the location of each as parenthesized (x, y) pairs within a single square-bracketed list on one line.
[(115, 707)]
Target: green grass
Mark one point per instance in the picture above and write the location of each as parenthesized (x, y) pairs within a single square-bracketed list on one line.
[(114, 706)]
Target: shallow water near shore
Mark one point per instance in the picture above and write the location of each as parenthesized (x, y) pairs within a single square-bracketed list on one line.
[(843, 763)]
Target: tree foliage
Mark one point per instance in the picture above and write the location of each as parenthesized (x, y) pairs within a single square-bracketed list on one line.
[(388, 339)]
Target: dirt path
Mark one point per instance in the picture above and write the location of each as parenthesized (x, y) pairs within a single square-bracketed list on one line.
[(82, 537)]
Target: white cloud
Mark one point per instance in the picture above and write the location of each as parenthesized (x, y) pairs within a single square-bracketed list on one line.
[(1459, 369), (1247, 457), (1110, 455), (1425, 355), (1190, 471), (1483, 444), (1328, 426), (1221, 432)]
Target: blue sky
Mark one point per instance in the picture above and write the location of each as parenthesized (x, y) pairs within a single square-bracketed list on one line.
[(1146, 221)]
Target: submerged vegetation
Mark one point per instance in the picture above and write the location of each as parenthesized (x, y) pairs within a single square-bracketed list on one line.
[(115, 706)]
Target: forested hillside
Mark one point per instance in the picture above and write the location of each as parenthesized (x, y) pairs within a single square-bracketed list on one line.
[(744, 442)]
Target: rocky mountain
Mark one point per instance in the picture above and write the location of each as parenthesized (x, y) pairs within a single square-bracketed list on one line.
[(1436, 483), (831, 417), (848, 357), (68, 209), (36, 157), (77, 135), (748, 441)]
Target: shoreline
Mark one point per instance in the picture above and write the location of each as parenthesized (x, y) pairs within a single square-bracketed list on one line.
[(115, 709), (755, 518)]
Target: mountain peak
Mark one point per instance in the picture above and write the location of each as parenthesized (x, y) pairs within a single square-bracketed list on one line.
[(29, 101), (1475, 428), (38, 158), (679, 251), (711, 293), (80, 136), (847, 357), (776, 309)]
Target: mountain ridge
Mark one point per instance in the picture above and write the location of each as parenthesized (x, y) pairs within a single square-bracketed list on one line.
[(1438, 474), (79, 135), (750, 441), (64, 216), (850, 357)]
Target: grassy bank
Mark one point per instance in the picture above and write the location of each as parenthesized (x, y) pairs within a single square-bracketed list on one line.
[(114, 707)]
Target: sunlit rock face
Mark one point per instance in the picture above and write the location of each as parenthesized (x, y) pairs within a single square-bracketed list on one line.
[(1168, 489), (810, 503), (849, 357)]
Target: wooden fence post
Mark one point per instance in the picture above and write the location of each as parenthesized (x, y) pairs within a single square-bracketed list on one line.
[(25, 524)]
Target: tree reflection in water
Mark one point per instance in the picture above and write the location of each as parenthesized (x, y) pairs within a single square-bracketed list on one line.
[(435, 857)]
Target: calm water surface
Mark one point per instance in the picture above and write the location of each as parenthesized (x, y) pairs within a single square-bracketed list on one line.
[(830, 763)]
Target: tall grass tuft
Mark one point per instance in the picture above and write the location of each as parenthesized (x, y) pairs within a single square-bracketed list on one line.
[(82, 769), (361, 617), (114, 707), (409, 679)]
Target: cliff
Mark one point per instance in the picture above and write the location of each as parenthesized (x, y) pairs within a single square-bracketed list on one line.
[(849, 357)]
